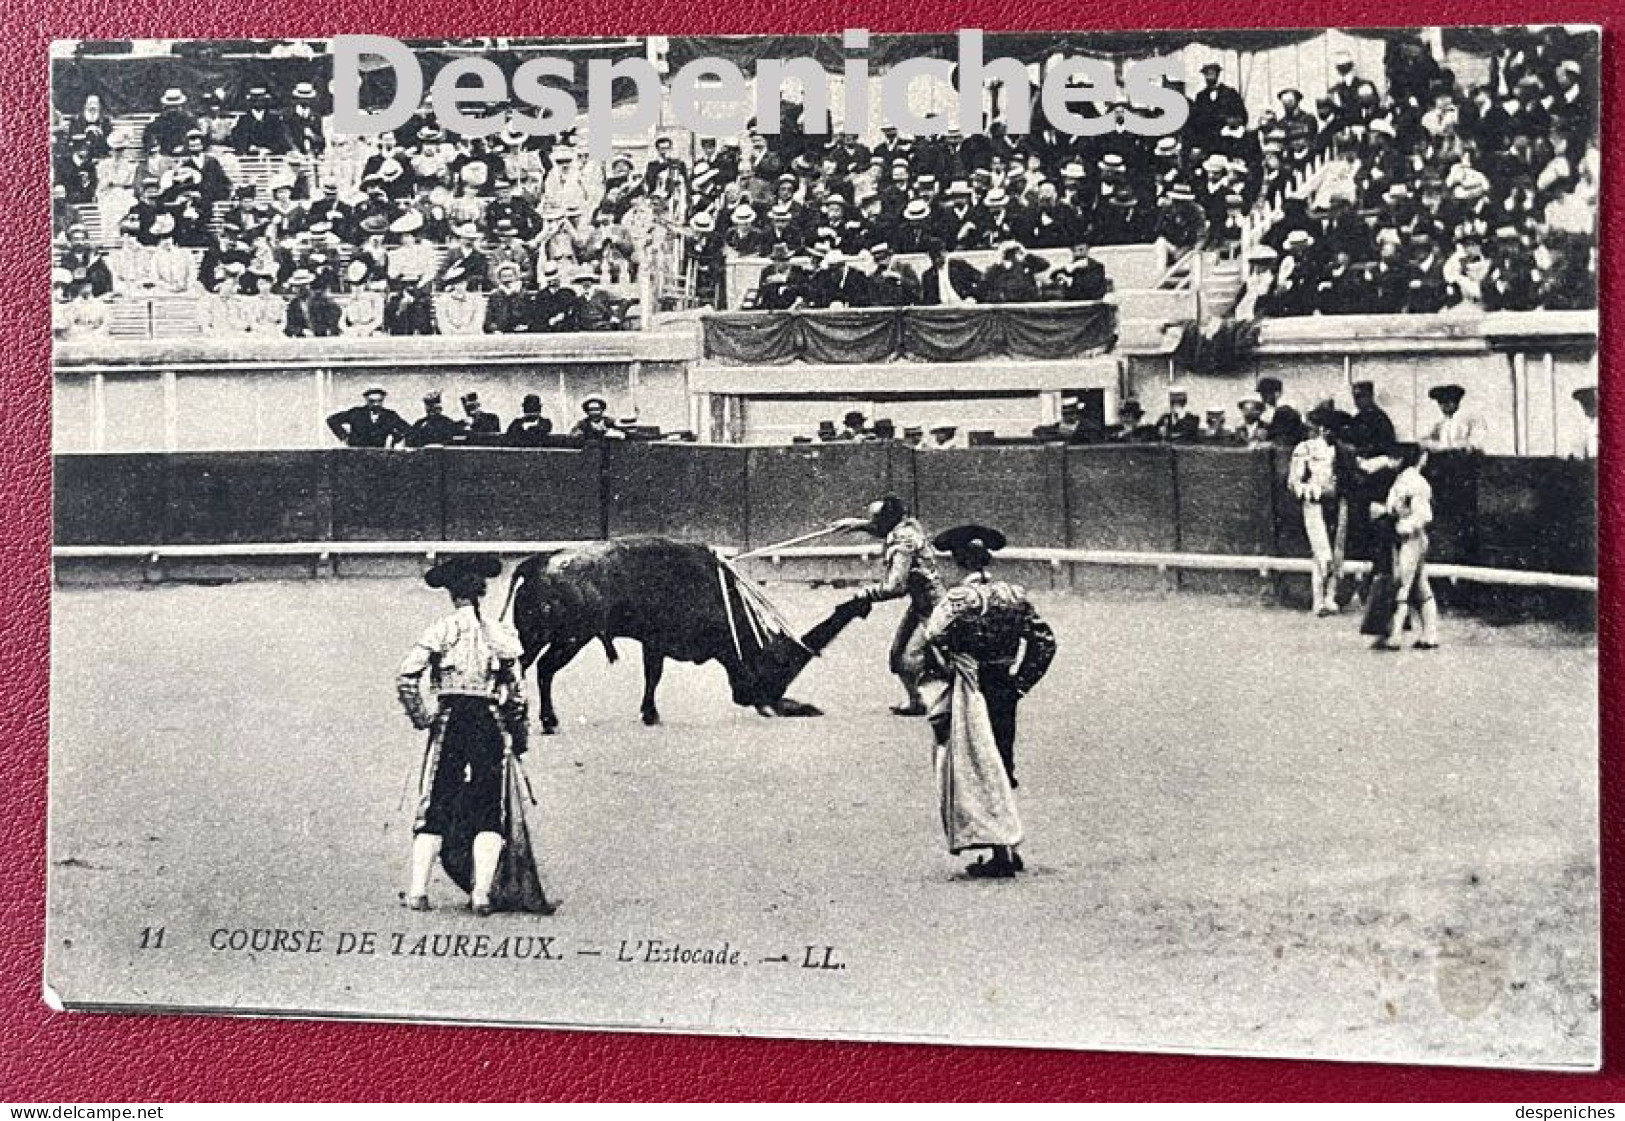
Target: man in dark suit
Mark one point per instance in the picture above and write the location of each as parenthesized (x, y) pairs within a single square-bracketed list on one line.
[(1370, 432), (1282, 423), (260, 129), (168, 130), (479, 426), (434, 428), (1082, 278), (895, 284), (839, 284), (407, 310), (557, 308), (368, 425), (1129, 428), (509, 310), (948, 281), (465, 268), (311, 311), (1012, 279), (1179, 425), (530, 429), (1213, 104)]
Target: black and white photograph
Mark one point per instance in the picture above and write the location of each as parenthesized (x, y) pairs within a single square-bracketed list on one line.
[(1073, 540)]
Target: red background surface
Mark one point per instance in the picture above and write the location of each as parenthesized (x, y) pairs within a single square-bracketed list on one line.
[(46, 1056)]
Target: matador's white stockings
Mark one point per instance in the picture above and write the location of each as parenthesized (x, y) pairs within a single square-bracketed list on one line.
[(425, 851), (487, 856)]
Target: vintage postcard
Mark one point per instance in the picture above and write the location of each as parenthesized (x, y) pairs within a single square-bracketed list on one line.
[(1079, 540)]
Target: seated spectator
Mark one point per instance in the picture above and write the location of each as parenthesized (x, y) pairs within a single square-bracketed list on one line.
[(1511, 284), (407, 308), (895, 283), (596, 424), (948, 281), (1344, 289), (1297, 278), (1214, 430), (311, 311), (259, 131), (1178, 425), (168, 129), (1453, 431), (839, 283), (477, 425), (1081, 279), (434, 428), (1130, 427), (854, 426), (555, 308), (782, 285), (595, 310), (1252, 430), (1282, 423), (530, 429), (465, 268), (369, 424), (89, 268), (1012, 279), (508, 310)]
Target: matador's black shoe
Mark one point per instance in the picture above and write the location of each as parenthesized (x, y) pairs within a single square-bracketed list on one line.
[(908, 710), (996, 869)]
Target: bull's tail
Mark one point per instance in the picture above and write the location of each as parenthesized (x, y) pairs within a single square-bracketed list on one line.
[(609, 647)]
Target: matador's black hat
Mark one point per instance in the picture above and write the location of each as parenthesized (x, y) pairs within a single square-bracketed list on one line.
[(453, 570), (962, 537)]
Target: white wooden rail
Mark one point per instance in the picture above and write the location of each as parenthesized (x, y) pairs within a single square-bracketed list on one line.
[(324, 551)]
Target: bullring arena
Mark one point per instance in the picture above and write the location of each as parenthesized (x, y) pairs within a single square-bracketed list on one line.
[(1248, 832)]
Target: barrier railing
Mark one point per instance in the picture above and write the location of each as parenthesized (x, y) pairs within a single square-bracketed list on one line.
[(322, 552), (1504, 521)]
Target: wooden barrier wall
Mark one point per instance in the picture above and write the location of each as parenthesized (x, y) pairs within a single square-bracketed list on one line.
[(1511, 513)]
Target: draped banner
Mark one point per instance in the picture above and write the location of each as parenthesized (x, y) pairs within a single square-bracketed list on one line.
[(931, 334)]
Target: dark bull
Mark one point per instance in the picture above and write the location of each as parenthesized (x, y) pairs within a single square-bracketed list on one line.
[(680, 601)]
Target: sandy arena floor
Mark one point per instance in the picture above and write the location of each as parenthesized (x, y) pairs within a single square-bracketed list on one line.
[(1247, 833)]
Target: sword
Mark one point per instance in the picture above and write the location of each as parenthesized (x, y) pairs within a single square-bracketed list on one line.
[(789, 541)]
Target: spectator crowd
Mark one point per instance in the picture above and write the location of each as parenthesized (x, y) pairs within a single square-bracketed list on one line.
[(1417, 195), (372, 424), (314, 234), (1443, 196), (1264, 419)]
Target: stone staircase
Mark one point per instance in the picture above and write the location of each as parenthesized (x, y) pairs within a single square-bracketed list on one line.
[(1202, 284)]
